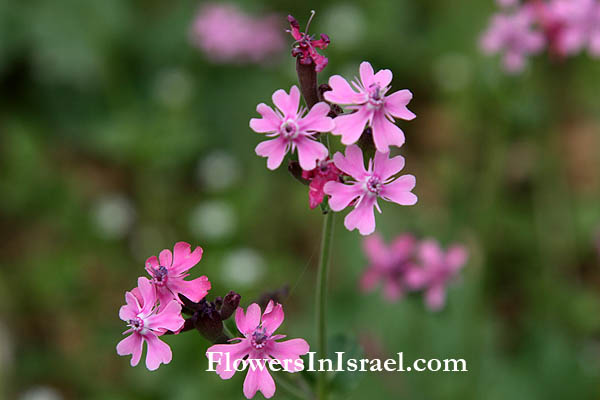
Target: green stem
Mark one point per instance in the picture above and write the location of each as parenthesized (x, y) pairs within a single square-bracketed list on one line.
[(321, 298), (290, 388)]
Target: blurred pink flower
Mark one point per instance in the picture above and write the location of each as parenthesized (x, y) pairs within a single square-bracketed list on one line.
[(324, 172), (259, 344), (226, 34), (371, 107), (515, 36), (169, 270), (369, 185), (146, 323), (306, 45), (388, 264), (578, 25), (437, 268), (293, 129)]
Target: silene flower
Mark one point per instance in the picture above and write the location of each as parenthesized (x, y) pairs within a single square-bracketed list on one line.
[(578, 26), (169, 270), (146, 322), (437, 269), (324, 172), (292, 129), (371, 106), (305, 45), (515, 36), (388, 264), (368, 185), (258, 347)]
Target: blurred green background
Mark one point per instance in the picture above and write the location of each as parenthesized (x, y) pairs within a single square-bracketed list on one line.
[(119, 138)]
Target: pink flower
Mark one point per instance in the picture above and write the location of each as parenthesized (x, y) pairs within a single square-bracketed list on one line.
[(437, 269), (306, 45), (388, 264), (371, 107), (146, 323), (578, 25), (369, 185), (226, 34), (168, 273), (292, 129), (324, 172), (515, 36), (260, 344)]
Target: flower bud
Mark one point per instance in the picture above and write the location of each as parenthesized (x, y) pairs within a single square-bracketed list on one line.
[(230, 304)]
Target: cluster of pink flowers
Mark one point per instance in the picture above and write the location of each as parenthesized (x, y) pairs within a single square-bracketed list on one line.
[(371, 111), (227, 35), (410, 265), (154, 307), (565, 27)]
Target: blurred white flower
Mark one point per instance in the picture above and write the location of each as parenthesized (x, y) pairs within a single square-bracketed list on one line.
[(452, 71), (114, 216), (345, 24), (173, 88), (212, 220), (243, 267), (218, 171), (41, 393)]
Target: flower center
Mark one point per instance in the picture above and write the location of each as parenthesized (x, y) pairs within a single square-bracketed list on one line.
[(137, 324), (259, 338), (374, 185), (160, 275), (376, 96), (289, 129)]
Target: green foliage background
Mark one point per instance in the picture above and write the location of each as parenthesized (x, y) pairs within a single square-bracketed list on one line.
[(108, 96)]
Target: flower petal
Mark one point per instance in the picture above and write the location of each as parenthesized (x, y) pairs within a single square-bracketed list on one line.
[(259, 379), (309, 152), (352, 163), (236, 351), (396, 103), (392, 290), (341, 195), (166, 258), (288, 104), (386, 133), (269, 122), (384, 167), (148, 294), (435, 297), (169, 318), (399, 191), (317, 120), (430, 253), (366, 74), (183, 258), (456, 257), (158, 352), (362, 217), (376, 250), (351, 126), (274, 150), (195, 290), (288, 350), (132, 344), (272, 318), (342, 92), (383, 77), (151, 264)]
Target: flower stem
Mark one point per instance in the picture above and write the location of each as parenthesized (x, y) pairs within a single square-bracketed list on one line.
[(321, 300)]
